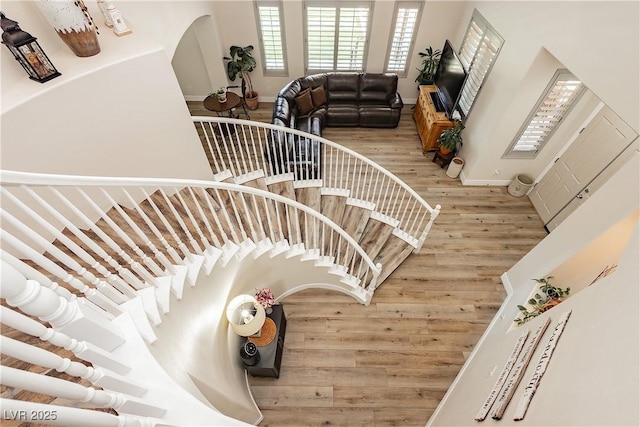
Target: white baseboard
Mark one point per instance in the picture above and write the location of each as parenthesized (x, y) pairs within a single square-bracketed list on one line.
[(484, 182)]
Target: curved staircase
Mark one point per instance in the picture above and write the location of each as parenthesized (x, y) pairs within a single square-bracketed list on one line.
[(132, 275)]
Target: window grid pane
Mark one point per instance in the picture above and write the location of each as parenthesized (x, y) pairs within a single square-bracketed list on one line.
[(271, 37), (352, 36), (402, 38), (559, 99), (478, 52), (321, 29), (337, 37)]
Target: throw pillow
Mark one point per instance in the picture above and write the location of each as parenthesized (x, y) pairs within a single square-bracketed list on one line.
[(304, 102), (319, 96)]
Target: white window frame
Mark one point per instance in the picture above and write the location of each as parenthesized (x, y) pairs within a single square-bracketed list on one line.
[(334, 44), (479, 50), (560, 96), (398, 48), (272, 45)]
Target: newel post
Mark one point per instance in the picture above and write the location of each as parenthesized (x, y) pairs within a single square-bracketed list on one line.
[(74, 318)]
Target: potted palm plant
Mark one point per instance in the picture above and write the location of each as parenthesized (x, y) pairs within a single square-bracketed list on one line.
[(430, 60), (240, 63), (451, 139)]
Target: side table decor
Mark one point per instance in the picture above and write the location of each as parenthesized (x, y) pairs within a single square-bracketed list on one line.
[(266, 299), (267, 334)]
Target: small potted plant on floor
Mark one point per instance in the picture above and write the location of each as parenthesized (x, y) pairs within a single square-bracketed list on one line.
[(430, 60), (240, 63), (451, 139)]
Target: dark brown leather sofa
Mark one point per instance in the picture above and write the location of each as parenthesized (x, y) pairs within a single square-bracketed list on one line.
[(348, 100), (329, 99)]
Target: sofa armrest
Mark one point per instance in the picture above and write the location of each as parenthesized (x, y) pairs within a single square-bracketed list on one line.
[(395, 101)]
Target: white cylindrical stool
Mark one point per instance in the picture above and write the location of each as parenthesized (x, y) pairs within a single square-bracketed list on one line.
[(455, 167), (520, 185)]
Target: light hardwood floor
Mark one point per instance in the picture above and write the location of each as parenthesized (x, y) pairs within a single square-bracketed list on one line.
[(390, 363)]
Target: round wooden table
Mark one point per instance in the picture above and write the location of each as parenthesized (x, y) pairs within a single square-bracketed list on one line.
[(211, 103)]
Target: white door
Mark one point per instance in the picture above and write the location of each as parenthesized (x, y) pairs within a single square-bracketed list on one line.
[(600, 142)]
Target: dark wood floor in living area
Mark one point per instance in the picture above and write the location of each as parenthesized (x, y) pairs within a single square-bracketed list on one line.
[(390, 363)]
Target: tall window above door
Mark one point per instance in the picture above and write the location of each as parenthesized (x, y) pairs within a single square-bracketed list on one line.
[(271, 31), (406, 17), (560, 96), (336, 35), (479, 50)]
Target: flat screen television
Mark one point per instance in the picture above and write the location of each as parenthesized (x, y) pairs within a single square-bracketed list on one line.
[(449, 79)]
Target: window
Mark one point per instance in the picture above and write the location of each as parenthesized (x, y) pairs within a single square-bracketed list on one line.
[(337, 35), (406, 17), (558, 99), (478, 52), (271, 30)]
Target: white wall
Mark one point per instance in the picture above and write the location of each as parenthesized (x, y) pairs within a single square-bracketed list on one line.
[(597, 41), (118, 113), (593, 377)]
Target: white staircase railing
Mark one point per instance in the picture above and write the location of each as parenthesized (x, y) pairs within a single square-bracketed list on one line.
[(82, 252), (242, 147)]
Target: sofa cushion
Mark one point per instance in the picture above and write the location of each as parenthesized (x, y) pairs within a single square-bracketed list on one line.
[(319, 96), (304, 102), (342, 114), (378, 87), (378, 116), (343, 87)]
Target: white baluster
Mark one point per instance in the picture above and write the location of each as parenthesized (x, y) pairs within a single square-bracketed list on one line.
[(122, 235), (21, 410), (51, 386), (118, 281), (183, 247), (44, 262), (225, 212), (154, 229), (214, 239), (142, 235), (214, 215), (41, 357), (101, 285), (181, 222), (31, 273), (211, 153), (81, 349), (187, 209), (71, 317), (434, 215), (126, 274)]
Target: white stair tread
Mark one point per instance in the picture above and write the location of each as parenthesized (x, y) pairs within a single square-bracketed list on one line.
[(325, 261), (295, 250), (361, 203), (306, 183), (221, 176), (279, 247), (274, 179), (149, 304), (250, 176), (163, 292), (178, 280), (406, 237), (262, 247), (331, 191), (310, 255), (136, 309), (245, 248), (385, 218), (211, 255)]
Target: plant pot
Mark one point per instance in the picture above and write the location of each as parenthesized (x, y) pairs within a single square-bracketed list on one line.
[(444, 151), (455, 167), (252, 101), (222, 97)]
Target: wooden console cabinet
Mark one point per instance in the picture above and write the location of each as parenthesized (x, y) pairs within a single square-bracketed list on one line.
[(430, 123), (271, 354)]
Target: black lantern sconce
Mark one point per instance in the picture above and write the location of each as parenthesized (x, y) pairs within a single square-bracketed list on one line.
[(27, 51)]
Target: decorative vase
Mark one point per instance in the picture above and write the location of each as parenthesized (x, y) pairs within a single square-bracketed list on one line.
[(74, 25), (222, 97)]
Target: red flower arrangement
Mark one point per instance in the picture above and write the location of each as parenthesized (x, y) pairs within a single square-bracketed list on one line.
[(265, 297)]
